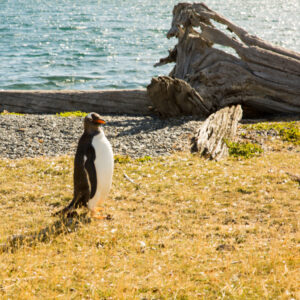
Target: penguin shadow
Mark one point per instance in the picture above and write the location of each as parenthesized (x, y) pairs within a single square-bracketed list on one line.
[(65, 225)]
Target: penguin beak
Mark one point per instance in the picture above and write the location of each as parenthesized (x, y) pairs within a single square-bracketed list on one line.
[(99, 121)]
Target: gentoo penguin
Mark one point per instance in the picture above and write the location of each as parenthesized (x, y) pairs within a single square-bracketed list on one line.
[(93, 167)]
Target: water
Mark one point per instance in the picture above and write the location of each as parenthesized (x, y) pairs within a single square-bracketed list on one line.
[(73, 44)]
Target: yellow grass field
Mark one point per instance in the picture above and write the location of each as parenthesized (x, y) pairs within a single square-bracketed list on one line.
[(181, 227)]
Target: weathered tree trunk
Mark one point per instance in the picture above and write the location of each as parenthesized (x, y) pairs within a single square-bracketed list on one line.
[(211, 136), (262, 77), (102, 101)]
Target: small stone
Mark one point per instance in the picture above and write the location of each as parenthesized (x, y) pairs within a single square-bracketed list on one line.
[(225, 247)]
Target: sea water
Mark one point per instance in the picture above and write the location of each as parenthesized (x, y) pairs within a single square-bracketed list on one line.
[(110, 44)]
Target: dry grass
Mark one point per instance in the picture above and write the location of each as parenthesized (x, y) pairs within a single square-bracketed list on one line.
[(186, 228)]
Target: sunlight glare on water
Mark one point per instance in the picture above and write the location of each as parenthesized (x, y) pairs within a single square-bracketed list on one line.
[(72, 44)]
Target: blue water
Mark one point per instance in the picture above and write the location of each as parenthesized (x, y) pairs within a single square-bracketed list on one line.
[(73, 44)]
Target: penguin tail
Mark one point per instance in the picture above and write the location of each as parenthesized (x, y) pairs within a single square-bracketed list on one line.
[(66, 210), (69, 210)]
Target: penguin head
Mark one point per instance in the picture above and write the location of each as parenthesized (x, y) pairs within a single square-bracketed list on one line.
[(92, 122)]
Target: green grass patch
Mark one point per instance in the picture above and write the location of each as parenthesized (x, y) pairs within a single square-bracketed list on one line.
[(144, 159), (291, 135), (245, 150), (122, 159), (288, 131), (66, 114)]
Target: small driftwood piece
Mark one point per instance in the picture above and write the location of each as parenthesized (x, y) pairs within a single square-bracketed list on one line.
[(262, 77), (211, 136)]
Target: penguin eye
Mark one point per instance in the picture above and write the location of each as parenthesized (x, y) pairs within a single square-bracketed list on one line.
[(89, 116)]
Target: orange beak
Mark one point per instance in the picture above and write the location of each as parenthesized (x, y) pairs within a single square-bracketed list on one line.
[(100, 121)]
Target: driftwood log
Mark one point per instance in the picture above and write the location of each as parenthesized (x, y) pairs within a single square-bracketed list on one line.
[(101, 101), (210, 139), (262, 77)]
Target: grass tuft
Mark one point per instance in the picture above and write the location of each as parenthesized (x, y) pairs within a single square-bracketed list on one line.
[(67, 114), (122, 159), (290, 135), (288, 131), (246, 150), (6, 113), (144, 159)]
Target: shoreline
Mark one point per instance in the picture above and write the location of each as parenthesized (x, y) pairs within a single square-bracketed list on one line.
[(133, 102)]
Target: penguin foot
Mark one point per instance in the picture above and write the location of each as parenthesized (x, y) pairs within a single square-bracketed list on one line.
[(95, 215), (98, 217)]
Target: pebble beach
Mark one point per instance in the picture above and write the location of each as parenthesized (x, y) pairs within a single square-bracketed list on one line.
[(135, 136)]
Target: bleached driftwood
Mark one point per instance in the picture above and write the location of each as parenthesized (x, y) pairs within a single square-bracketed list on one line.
[(263, 78), (217, 128), (53, 101)]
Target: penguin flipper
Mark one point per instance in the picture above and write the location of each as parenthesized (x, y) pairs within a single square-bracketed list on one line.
[(91, 171)]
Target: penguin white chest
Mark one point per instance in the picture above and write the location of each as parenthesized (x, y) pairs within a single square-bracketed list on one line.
[(104, 165)]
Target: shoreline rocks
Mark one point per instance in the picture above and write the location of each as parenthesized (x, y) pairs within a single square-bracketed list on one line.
[(33, 135), (135, 136)]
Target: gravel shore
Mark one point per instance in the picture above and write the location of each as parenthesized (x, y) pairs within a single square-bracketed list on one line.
[(136, 136)]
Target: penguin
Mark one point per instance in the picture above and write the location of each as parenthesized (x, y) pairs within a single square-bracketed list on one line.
[(93, 168)]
